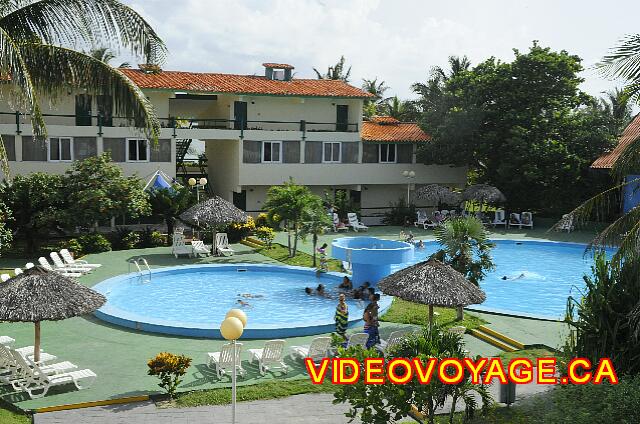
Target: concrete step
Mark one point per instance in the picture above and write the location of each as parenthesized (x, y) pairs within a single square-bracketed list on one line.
[(479, 334), (506, 339)]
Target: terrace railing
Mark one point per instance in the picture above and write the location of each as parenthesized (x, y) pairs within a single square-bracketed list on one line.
[(20, 120)]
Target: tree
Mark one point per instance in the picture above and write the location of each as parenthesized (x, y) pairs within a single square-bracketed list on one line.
[(168, 204), (289, 202), (33, 37), (98, 190), (518, 124), (106, 55), (37, 202), (616, 104), (466, 247), (315, 222), (372, 106), (395, 108), (623, 62), (389, 402), (335, 72), (6, 236)]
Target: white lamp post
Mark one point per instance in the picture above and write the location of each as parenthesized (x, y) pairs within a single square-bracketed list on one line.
[(231, 329), (409, 175), (198, 184)]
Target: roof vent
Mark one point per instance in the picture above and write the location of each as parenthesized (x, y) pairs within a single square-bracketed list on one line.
[(278, 71)]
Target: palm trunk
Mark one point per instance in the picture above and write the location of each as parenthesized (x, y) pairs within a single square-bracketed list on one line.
[(286, 225), (315, 243), (295, 240), (452, 411), (460, 315)]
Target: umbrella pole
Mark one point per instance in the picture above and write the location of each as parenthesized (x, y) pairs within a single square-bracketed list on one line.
[(430, 318), (36, 346)]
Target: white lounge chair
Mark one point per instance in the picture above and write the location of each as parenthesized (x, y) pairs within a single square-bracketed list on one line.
[(421, 218), (46, 265), (199, 248), (515, 220), (69, 260), (526, 219), (59, 264), (29, 265), (499, 218), (358, 339), (270, 357), (355, 223), (566, 223), (37, 383), (337, 225), (17, 271), (6, 341), (222, 362), (179, 246), (458, 329), (222, 245), (14, 369), (316, 350), (395, 338), (4, 277)]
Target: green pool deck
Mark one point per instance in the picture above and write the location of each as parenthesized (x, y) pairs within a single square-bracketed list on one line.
[(119, 356)]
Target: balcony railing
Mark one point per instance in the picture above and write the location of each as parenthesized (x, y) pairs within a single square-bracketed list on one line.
[(99, 121)]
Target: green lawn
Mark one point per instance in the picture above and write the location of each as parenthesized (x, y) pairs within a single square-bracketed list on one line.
[(404, 312), (269, 390), (280, 253), (10, 417)]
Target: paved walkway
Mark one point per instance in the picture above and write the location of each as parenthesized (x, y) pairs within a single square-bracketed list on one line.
[(308, 409)]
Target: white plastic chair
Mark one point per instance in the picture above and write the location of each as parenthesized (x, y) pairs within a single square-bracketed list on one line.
[(270, 357), (566, 223), (499, 218), (358, 339), (37, 383), (29, 265), (515, 220), (395, 338), (222, 245), (69, 260), (6, 341), (337, 225), (526, 219), (199, 248), (179, 246), (222, 362), (355, 223), (46, 265), (317, 350), (17, 271), (59, 264), (5, 277)]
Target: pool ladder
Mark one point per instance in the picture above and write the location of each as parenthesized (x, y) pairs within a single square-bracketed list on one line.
[(141, 273)]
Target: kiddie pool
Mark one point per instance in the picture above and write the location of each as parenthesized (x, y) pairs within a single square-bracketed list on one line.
[(193, 300)]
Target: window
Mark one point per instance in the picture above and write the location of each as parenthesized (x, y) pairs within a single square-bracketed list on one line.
[(271, 151), (331, 152), (137, 150), (387, 153), (60, 149)]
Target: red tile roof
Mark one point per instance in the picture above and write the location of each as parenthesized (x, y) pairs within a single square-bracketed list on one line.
[(386, 128), (631, 133), (242, 84), (278, 65)]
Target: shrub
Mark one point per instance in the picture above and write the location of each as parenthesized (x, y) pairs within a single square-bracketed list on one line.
[(124, 239), (262, 220), (265, 234), (151, 238), (398, 213), (131, 240), (94, 243), (73, 246), (236, 232), (169, 368)]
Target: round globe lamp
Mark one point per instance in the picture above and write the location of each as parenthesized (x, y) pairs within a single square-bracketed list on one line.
[(192, 181), (238, 313), (231, 328)]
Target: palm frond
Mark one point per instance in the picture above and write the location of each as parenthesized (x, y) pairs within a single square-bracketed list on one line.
[(55, 69), (12, 64), (4, 161), (91, 22), (623, 61), (623, 233)]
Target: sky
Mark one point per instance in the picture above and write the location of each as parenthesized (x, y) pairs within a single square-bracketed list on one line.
[(397, 41)]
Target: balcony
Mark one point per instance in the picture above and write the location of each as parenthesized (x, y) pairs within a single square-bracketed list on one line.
[(213, 128)]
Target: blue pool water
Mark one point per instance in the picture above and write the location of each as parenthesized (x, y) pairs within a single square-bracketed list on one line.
[(542, 275), (193, 300)]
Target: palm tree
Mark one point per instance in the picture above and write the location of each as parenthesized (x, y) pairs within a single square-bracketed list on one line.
[(622, 62), (335, 72), (466, 247), (616, 103), (315, 222), (372, 106), (438, 76), (395, 108), (33, 36), (106, 55)]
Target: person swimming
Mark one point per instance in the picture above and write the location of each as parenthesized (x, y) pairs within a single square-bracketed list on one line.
[(346, 284), (519, 277), (244, 304), (250, 295), (421, 244), (308, 290)]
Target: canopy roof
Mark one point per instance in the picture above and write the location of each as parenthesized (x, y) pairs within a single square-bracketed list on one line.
[(213, 211), (483, 193)]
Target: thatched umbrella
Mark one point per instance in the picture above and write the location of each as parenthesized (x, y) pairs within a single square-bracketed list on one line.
[(483, 193), (41, 295), (212, 212), (437, 194), (432, 283)]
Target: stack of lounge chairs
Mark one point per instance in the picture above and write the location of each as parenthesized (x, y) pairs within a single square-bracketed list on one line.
[(197, 248), (63, 263), (18, 369)]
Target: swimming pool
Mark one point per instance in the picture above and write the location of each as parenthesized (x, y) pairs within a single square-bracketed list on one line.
[(193, 300), (541, 276)]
